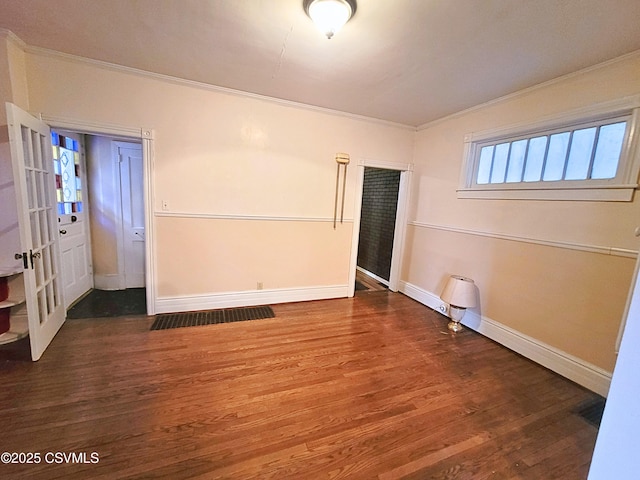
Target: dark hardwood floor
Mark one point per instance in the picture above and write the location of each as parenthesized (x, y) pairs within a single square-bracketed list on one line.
[(372, 387)]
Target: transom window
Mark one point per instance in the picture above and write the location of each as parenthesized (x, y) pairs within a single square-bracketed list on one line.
[(577, 157), (584, 153)]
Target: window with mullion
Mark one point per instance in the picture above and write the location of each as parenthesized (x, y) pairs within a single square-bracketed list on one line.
[(581, 153)]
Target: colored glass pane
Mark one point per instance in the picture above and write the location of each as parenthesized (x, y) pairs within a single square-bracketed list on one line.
[(67, 169)]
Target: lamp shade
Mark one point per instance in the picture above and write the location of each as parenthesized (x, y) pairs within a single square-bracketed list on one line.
[(459, 292)]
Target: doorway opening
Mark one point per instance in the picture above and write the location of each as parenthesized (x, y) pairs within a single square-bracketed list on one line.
[(111, 173), (379, 226)]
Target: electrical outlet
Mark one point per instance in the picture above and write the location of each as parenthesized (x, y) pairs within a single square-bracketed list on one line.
[(260, 285), (165, 205)]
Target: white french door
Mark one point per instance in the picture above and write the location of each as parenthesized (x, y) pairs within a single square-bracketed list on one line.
[(31, 155)]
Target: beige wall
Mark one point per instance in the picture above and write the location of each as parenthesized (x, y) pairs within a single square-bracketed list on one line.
[(13, 88), (220, 155), (279, 254), (13, 74), (570, 299)]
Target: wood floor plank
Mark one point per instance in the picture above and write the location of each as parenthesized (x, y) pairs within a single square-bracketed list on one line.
[(369, 387)]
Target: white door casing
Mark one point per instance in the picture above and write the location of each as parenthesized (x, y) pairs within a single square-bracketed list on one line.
[(131, 248), (31, 155), (75, 240), (401, 220), (136, 134)]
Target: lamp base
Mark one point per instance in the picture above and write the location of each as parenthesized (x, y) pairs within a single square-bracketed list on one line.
[(455, 326), (456, 314)]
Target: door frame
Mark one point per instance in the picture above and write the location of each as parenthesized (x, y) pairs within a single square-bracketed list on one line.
[(406, 170), (145, 137)]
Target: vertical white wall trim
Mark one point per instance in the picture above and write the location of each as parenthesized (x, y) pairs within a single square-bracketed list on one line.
[(616, 452), (149, 222), (355, 239), (573, 368), (400, 230)]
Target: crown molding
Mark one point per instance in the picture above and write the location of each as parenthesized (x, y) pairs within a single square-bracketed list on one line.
[(45, 52), (526, 91), (9, 36)]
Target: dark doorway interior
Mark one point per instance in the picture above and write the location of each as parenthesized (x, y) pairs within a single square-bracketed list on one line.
[(110, 303), (378, 220)]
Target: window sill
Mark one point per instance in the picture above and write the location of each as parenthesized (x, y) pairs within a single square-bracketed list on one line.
[(618, 193)]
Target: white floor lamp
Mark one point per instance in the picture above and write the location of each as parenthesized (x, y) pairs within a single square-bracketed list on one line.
[(460, 294)]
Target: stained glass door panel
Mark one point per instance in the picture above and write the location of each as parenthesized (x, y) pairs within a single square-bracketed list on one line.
[(67, 168)]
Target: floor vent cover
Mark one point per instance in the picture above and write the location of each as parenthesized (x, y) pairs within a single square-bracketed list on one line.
[(210, 317), (592, 411)]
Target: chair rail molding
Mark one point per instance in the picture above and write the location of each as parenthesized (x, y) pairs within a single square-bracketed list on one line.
[(602, 249)]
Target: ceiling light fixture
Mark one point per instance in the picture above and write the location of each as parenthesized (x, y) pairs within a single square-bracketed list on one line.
[(330, 15)]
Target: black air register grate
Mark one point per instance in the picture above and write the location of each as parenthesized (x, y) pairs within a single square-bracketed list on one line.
[(210, 317)]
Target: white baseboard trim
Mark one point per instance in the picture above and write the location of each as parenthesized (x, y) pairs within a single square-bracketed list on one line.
[(583, 373), (248, 298), (107, 282)]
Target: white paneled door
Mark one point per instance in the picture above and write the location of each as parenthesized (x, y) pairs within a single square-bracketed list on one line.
[(34, 179), (73, 222), (133, 231)]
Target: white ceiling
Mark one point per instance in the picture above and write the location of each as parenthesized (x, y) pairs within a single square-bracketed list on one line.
[(406, 61)]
